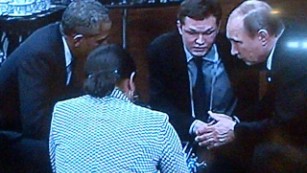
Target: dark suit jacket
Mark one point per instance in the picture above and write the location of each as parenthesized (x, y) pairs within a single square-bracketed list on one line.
[(169, 80), (281, 115), (31, 80)]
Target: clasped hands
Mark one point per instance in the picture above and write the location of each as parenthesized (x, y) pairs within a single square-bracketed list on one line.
[(215, 133)]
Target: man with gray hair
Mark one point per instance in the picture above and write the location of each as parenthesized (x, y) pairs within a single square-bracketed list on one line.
[(47, 67), (259, 37)]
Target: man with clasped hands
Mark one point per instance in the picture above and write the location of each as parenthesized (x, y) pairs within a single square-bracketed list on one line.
[(258, 36)]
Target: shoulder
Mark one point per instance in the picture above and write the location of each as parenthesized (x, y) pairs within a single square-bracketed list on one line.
[(168, 47), (41, 40), (44, 46), (151, 114), (168, 36), (53, 28), (44, 35), (44, 39), (148, 116), (166, 40), (69, 110), (71, 104)]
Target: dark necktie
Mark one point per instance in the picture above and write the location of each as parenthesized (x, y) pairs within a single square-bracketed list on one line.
[(199, 92), (76, 80)]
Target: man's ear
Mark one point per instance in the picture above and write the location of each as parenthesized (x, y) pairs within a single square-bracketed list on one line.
[(179, 27), (263, 36), (77, 39)]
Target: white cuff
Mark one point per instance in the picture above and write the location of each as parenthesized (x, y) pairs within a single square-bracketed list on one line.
[(236, 119), (191, 130)]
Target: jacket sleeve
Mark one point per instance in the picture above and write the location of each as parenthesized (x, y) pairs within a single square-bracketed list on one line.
[(285, 115), (35, 96), (161, 98)]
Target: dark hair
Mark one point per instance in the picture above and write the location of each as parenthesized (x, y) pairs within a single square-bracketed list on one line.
[(106, 65), (199, 10), (84, 17)]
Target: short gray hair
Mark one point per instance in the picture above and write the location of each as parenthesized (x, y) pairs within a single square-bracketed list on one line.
[(258, 15), (84, 17)]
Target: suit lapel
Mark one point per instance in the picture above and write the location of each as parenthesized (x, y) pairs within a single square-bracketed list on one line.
[(180, 72), (60, 56)]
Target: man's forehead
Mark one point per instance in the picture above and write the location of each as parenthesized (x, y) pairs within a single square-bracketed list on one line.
[(235, 20), (207, 18), (204, 24), (234, 26)]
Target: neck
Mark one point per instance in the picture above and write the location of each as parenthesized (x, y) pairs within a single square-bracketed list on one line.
[(270, 45)]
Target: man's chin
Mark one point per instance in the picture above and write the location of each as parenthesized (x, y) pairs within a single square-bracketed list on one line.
[(249, 63), (199, 54)]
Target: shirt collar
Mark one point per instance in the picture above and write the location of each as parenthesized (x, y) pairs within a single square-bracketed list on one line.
[(270, 59), (68, 56), (117, 93), (210, 56)]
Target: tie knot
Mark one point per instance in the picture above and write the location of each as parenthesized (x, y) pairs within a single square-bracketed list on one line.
[(198, 62)]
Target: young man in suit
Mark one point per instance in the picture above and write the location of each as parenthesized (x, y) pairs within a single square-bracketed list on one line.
[(258, 36), (45, 68), (173, 72), (181, 88)]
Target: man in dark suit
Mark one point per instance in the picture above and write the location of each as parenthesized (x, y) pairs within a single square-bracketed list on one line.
[(258, 36), (45, 68), (174, 73)]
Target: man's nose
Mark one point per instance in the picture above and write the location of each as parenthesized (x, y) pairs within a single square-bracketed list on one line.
[(200, 39), (234, 50)]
